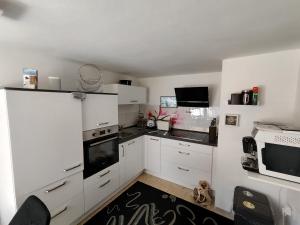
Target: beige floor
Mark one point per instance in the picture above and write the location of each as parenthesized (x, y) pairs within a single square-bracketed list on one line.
[(166, 186)]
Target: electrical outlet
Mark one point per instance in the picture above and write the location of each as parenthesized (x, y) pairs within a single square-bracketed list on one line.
[(287, 211)]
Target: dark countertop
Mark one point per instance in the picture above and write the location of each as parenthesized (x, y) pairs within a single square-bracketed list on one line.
[(130, 133)]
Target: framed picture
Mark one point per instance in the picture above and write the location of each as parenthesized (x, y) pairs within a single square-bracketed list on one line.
[(232, 119), (168, 102)]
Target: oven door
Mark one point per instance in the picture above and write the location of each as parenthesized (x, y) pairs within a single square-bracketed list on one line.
[(99, 154), (281, 161)]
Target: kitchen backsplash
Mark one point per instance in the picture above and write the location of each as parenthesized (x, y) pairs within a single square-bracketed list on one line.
[(128, 115), (196, 119)]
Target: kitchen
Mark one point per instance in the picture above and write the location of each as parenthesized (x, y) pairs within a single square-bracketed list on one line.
[(83, 152)]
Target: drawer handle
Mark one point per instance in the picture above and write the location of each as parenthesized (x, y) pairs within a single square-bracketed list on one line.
[(102, 175), (60, 212), (153, 139), (72, 168), (123, 151), (184, 153), (180, 168), (134, 101), (186, 145), (101, 124), (131, 143), (55, 188), (102, 185)]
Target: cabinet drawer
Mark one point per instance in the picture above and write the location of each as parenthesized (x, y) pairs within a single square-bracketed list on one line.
[(68, 212), (204, 149), (184, 175), (100, 185), (187, 157), (58, 193)]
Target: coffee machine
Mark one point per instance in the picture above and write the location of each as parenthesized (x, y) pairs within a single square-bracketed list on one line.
[(249, 160)]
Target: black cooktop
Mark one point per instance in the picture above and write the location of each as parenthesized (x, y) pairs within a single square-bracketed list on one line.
[(189, 135)]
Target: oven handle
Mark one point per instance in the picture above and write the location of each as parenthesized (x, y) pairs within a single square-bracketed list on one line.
[(99, 142)]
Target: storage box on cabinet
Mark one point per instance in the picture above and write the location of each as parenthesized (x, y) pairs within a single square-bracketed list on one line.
[(100, 185)]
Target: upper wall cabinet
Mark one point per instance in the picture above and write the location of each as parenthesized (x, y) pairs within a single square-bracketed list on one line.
[(127, 94), (99, 110)]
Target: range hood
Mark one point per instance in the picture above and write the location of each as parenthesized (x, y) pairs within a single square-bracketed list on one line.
[(192, 97)]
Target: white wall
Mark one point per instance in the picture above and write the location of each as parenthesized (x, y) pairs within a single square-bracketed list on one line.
[(164, 86), (12, 61), (277, 74)]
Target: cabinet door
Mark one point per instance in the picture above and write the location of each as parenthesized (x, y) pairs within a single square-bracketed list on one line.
[(153, 155), (46, 137), (122, 164), (131, 94), (99, 110)]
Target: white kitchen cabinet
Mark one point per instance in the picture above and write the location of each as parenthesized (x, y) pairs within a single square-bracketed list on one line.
[(185, 163), (128, 94), (46, 138), (131, 159), (99, 110), (100, 185), (64, 199), (40, 145), (153, 155)]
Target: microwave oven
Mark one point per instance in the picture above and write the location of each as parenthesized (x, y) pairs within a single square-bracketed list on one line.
[(278, 153)]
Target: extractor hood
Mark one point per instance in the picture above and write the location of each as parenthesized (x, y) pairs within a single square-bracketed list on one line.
[(192, 97)]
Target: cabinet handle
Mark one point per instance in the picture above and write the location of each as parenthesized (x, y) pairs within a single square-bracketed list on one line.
[(184, 153), (60, 212), (153, 139), (102, 175), (100, 124), (186, 145), (180, 168), (102, 185), (123, 152), (134, 101), (100, 142), (55, 188), (72, 168), (131, 143)]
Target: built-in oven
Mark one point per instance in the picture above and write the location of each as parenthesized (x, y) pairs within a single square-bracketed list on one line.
[(101, 149)]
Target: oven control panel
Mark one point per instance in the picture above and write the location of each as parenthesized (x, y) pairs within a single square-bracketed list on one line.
[(100, 132)]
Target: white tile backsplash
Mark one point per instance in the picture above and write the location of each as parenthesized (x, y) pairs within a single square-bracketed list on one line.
[(128, 115), (196, 119)]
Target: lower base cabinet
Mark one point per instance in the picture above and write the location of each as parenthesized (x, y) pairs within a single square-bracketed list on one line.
[(131, 159), (100, 185), (64, 199)]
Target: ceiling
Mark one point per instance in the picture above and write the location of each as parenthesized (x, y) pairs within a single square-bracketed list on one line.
[(151, 37)]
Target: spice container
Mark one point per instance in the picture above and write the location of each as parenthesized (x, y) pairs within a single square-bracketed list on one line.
[(255, 95)]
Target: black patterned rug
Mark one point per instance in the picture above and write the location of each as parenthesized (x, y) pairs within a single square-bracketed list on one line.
[(144, 205)]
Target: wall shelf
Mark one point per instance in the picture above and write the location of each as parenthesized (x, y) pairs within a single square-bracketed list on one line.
[(275, 181)]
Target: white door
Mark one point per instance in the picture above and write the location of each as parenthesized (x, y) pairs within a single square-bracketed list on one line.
[(46, 137), (132, 159), (153, 155), (99, 110)]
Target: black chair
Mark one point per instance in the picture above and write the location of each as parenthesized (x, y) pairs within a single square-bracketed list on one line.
[(32, 212)]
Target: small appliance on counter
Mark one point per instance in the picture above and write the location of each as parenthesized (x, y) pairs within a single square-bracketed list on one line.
[(249, 160), (278, 151), (150, 123)]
